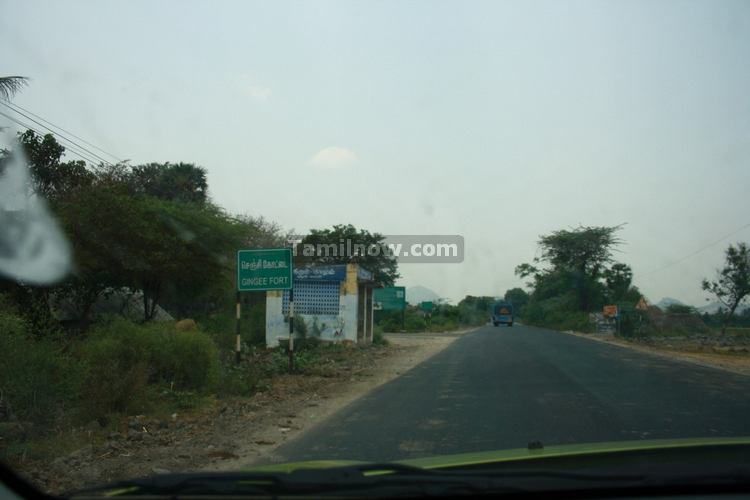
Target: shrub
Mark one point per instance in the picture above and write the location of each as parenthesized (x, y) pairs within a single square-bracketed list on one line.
[(117, 369), (392, 325), (237, 380), (121, 358), (36, 378), (630, 325), (188, 359), (442, 324), (307, 343), (221, 327), (415, 323), (378, 338)]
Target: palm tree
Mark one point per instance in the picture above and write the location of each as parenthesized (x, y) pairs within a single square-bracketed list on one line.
[(9, 85)]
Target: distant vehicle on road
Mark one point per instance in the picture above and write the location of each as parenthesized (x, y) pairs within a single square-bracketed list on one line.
[(502, 313)]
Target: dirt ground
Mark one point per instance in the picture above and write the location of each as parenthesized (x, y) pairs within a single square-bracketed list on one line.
[(232, 433), (723, 358)]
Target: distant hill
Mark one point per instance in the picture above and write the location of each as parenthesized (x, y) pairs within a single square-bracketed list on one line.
[(418, 294), (668, 301), (713, 307)]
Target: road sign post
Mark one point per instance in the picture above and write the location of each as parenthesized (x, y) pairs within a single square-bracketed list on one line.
[(237, 346), (427, 307), (262, 270), (392, 298), (291, 330)]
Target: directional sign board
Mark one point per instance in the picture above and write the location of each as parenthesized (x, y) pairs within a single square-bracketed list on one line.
[(391, 298), (427, 306), (266, 269)]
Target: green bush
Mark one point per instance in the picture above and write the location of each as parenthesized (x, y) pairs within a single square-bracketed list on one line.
[(442, 324), (237, 380), (189, 359), (630, 325), (307, 343), (117, 370), (278, 362), (558, 313), (221, 327), (36, 377), (392, 325), (121, 358), (415, 323), (378, 338)]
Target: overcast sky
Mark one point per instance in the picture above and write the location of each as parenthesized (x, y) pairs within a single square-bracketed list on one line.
[(498, 121)]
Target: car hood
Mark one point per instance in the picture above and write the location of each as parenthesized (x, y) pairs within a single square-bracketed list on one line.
[(521, 454)]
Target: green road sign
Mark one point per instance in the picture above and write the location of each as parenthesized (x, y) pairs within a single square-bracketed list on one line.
[(266, 269), (426, 306), (390, 299)]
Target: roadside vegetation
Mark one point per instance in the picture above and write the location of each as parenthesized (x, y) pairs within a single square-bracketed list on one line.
[(470, 311), (576, 274), (112, 340), (59, 393)]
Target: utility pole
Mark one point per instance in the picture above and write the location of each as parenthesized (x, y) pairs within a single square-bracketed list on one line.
[(291, 329)]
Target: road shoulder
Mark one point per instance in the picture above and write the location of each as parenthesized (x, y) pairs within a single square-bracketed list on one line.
[(734, 363), (290, 419)]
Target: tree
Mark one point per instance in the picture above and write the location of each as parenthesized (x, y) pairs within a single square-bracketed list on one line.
[(148, 244), (584, 249), (578, 260), (259, 232), (171, 181), (51, 177), (732, 284), (519, 298), (323, 246), (9, 85), (618, 279)]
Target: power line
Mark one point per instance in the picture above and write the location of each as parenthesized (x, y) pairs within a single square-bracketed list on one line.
[(14, 105), (68, 148), (58, 134), (683, 259)]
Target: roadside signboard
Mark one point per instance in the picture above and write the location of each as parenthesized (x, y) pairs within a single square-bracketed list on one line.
[(625, 307), (642, 305), (610, 311), (603, 324), (391, 298), (265, 269), (427, 306), (333, 272)]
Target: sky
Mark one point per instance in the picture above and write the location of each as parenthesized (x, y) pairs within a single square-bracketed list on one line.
[(497, 121)]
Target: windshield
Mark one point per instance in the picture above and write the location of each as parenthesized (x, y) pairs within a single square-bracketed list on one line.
[(245, 233)]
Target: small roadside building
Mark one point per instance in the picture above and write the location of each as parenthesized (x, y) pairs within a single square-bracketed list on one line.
[(335, 302)]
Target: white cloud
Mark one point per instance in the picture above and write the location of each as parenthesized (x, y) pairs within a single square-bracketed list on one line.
[(333, 157), (258, 92), (249, 86)]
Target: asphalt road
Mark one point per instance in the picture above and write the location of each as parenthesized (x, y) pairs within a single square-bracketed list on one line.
[(500, 388)]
